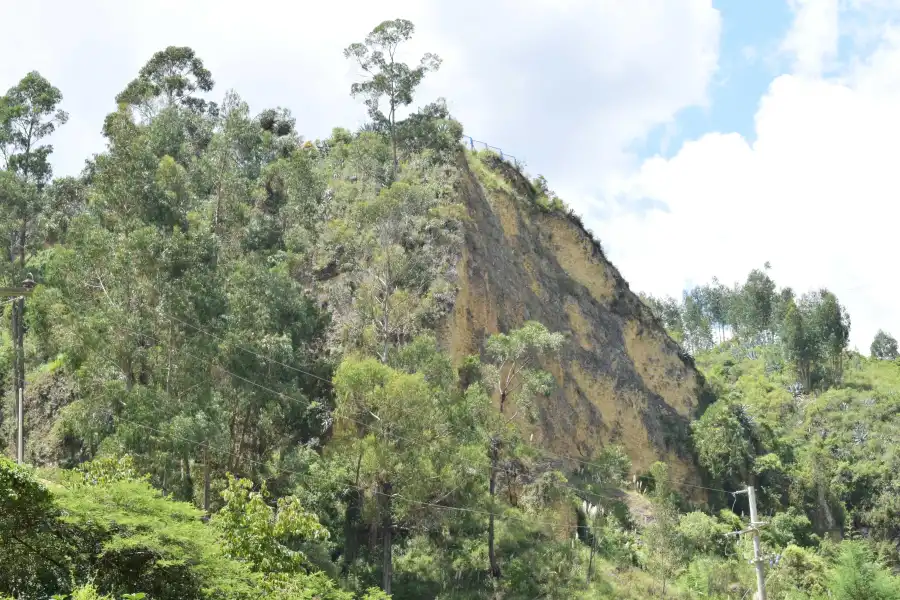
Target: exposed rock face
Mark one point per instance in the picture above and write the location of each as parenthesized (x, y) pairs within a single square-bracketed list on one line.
[(47, 394), (620, 377)]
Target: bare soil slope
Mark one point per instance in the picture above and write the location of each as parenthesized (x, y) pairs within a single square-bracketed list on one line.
[(620, 377)]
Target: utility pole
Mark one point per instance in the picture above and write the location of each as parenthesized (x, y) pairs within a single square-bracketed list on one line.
[(590, 517), (206, 481), (755, 524), (18, 334), (754, 529), (590, 570)]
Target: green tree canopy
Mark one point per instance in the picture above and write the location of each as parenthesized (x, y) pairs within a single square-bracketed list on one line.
[(172, 75), (390, 79), (884, 346), (29, 113)]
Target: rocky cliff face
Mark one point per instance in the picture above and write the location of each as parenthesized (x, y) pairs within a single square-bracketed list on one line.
[(620, 377)]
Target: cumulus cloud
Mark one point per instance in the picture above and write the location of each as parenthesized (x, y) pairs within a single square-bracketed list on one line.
[(813, 38), (566, 83), (814, 192), (572, 84)]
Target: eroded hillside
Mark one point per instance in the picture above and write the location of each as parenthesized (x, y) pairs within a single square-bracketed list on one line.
[(620, 377)]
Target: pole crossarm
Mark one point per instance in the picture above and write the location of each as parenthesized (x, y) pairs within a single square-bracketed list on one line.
[(14, 292)]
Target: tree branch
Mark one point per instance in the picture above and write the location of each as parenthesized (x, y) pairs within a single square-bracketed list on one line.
[(39, 555)]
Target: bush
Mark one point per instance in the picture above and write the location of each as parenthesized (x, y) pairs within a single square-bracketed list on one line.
[(857, 576)]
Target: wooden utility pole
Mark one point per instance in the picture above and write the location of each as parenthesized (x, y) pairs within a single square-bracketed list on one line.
[(18, 335), (755, 525)]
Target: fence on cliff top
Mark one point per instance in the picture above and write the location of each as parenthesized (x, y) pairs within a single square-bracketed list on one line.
[(471, 143)]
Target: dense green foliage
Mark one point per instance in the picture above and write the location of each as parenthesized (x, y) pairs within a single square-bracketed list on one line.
[(235, 388), (810, 424)]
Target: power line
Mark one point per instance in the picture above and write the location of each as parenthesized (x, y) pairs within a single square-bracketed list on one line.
[(342, 417), (281, 471), (223, 340), (330, 383), (599, 466), (538, 448)]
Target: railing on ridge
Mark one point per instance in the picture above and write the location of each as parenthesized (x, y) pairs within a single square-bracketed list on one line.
[(472, 142)]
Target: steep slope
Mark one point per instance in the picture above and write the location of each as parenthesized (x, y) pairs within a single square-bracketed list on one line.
[(620, 377)]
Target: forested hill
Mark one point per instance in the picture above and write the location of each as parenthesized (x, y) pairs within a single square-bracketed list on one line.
[(384, 365)]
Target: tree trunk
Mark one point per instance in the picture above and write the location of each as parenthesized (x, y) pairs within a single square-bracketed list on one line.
[(22, 232), (386, 525), (386, 314), (232, 434), (351, 534), (492, 555), (495, 460), (206, 481), (394, 141), (373, 536), (188, 482), (593, 540), (394, 145), (242, 438), (128, 370), (352, 516), (169, 363), (826, 509)]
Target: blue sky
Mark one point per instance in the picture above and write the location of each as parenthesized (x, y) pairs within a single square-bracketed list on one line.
[(748, 61), (698, 138), (751, 34), (790, 158)]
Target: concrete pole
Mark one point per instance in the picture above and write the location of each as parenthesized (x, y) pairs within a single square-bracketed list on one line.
[(754, 523), (20, 419)]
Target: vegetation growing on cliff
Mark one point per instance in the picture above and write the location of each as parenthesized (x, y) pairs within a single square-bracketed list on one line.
[(236, 391)]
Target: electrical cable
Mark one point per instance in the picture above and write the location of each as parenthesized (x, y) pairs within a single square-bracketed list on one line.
[(539, 449)]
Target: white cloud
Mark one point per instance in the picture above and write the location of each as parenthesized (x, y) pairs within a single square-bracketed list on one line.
[(813, 37), (815, 193), (567, 84)]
